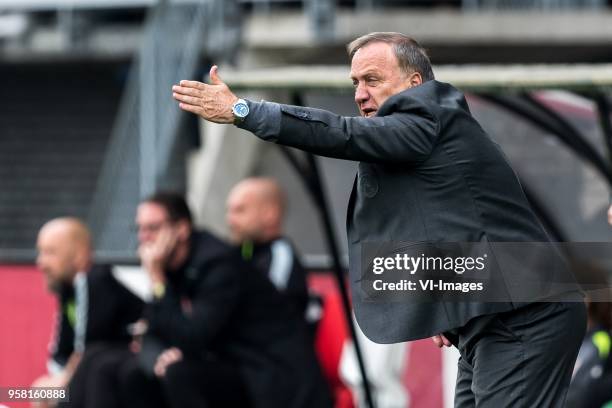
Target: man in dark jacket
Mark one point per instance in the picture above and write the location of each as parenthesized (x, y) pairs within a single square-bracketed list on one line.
[(255, 212), (219, 334), (591, 385), (95, 310), (429, 174)]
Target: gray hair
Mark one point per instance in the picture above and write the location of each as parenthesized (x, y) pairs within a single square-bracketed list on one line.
[(410, 55)]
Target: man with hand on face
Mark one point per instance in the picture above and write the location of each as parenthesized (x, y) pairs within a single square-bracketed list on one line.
[(219, 334), (428, 173), (95, 309), (255, 211)]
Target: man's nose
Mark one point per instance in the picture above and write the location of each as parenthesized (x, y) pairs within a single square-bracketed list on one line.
[(361, 94), (143, 236)]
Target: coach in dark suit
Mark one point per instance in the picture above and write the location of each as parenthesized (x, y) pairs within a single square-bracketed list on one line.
[(428, 173)]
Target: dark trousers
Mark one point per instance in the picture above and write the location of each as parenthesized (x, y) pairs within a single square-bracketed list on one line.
[(520, 358), (186, 384), (94, 383)]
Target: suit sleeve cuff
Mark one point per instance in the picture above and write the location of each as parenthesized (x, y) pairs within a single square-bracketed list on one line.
[(263, 120)]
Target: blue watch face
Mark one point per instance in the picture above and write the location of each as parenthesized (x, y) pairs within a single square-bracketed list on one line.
[(241, 109)]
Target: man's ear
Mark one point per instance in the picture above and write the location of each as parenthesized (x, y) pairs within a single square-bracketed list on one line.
[(415, 79), (183, 229), (81, 259), (271, 215)]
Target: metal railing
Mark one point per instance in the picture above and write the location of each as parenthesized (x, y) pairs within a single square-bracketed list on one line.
[(267, 5), (548, 5)]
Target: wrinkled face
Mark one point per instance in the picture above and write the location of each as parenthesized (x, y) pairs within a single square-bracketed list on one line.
[(244, 215), (376, 76), (150, 219), (56, 258)]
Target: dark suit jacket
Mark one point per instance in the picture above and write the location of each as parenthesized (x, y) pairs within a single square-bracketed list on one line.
[(280, 254), (111, 308), (427, 173), (215, 304)]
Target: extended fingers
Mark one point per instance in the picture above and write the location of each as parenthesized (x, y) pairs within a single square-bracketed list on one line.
[(211, 102), (190, 108), (190, 96), (192, 84), (184, 90), (190, 100)]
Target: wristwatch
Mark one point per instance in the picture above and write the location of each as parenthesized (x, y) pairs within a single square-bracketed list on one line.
[(240, 109)]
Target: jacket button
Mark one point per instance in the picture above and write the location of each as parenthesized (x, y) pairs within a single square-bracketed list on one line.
[(368, 185)]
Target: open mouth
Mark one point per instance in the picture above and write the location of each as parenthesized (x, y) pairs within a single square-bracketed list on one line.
[(368, 112)]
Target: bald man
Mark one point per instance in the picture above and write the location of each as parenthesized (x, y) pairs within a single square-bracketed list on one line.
[(64, 249), (255, 212), (95, 309)]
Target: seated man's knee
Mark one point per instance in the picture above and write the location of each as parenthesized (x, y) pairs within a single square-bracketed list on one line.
[(176, 375), (130, 374)]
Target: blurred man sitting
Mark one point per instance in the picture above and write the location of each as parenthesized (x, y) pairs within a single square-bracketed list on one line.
[(255, 211), (591, 384), (95, 310), (218, 333)]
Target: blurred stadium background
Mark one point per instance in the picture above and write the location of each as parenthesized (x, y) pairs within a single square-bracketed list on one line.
[(88, 126)]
